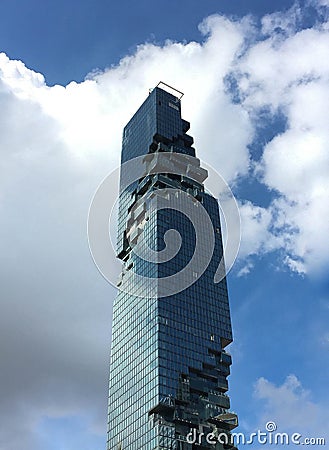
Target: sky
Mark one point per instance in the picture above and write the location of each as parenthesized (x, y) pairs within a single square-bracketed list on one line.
[(255, 77)]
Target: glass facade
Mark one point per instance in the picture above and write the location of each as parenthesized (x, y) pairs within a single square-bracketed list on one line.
[(169, 367)]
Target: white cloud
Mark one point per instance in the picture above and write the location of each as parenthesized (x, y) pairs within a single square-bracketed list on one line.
[(248, 266), (275, 65), (256, 235), (292, 408), (319, 4), (91, 115), (285, 22), (289, 75)]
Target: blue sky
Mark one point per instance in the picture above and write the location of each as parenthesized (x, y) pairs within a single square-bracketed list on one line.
[(256, 81), (64, 40)]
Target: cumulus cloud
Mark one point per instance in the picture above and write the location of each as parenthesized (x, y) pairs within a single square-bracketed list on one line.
[(288, 74), (56, 145), (256, 235), (291, 407), (284, 22), (50, 297)]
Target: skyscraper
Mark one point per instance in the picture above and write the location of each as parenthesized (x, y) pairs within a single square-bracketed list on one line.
[(171, 320)]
